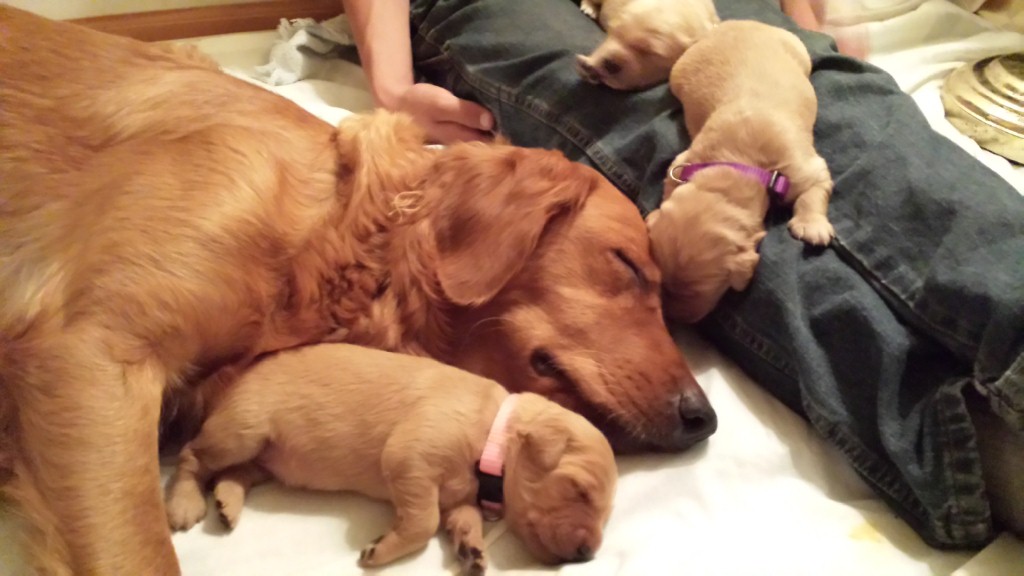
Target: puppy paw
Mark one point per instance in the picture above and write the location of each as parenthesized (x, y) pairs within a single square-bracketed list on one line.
[(472, 560), (368, 556), (589, 8), (229, 498), (185, 507), (814, 229)]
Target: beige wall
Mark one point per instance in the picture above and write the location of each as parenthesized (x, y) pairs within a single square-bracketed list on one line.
[(67, 9)]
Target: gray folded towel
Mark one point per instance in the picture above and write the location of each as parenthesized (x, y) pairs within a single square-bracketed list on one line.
[(303, 49)]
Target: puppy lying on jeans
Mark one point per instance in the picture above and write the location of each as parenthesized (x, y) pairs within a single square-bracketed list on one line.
[(436, 441), (750, 109), (645, 38)]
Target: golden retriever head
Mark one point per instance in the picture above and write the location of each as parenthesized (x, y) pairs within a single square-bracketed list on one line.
[(645, 38), (548, 272), (705, 244), (560, 478)]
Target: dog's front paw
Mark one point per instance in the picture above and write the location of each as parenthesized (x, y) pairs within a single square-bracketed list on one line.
[(472, 560), (368, 557), (185, 507), (814, 229), (229, 498)]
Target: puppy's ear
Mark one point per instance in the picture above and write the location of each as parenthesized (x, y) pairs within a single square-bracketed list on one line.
[(742, 265), (494, 203), (544, 445)]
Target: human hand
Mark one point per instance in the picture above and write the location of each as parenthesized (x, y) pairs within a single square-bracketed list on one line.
[(445, 117), (851, 40)]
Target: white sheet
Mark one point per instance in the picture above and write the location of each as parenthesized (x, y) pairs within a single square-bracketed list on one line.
[(763, 497)]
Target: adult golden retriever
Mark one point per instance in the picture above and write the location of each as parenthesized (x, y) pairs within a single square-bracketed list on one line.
[(160, 220)]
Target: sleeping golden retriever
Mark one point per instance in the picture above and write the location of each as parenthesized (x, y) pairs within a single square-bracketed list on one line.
[(160, 220)]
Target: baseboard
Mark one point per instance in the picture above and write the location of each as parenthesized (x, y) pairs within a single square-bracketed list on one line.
[(210, 20)]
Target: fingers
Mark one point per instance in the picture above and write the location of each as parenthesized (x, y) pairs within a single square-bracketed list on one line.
[(450, 133), (446, 117), (450, 108)]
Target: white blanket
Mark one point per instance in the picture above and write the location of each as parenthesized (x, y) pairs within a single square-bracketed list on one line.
[(765, 496)]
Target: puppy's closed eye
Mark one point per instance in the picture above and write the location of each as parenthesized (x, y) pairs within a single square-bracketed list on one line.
[(580, 492)]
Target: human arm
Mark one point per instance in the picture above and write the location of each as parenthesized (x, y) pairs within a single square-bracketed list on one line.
[(381, 30)]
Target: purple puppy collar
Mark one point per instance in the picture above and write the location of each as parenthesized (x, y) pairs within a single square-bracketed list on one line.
[(772, 180)]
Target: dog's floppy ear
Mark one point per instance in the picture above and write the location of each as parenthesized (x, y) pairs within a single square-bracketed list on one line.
[(494, 203), (742, 265)]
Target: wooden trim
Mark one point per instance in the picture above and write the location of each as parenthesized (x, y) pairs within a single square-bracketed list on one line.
[(210, 20)]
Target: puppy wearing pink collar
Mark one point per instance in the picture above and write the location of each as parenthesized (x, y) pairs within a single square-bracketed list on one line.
[(750, 109), (436, 441)]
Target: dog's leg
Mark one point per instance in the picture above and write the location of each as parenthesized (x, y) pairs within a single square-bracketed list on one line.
[(231, 487), (465, 526), (47, 552), (811, 186), (223, 442), (415, 498), (87, 465)]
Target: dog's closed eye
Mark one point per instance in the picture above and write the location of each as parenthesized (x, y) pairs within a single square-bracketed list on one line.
[(634, 270)]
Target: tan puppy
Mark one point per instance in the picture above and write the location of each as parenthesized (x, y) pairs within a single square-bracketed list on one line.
[(645, 37), (750, 108), (406, 429)]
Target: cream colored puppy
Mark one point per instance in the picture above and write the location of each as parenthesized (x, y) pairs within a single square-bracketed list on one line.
[(645, 37), (409, 430), (750, 108)]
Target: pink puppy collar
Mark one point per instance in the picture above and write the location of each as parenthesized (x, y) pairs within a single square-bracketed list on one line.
[(491, 494)]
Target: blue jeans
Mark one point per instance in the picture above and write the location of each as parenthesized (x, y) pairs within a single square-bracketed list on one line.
[(875, 340)]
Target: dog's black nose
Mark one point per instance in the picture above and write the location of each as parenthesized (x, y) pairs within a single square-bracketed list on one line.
[(583, 554), (697, 418)]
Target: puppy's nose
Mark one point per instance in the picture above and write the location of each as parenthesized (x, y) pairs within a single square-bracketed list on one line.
[(697, 419), (611, 67), (583, 554)]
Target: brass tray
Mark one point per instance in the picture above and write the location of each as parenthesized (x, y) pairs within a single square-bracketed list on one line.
[(985, 101)]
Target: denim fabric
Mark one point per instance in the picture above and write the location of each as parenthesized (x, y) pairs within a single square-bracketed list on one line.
[(874, 340)]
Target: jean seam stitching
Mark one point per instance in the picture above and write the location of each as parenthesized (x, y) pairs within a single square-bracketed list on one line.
[(895, 299), (741, 332), (874, 470), (1000, 396), (959, 499)]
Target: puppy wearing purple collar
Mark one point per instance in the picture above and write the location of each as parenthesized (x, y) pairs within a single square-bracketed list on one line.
[(444, 446), (750, 109)]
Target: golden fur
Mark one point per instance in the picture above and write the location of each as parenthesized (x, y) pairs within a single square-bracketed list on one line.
[(645, 38), (746, 98), (405, 429), (160, 220)]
